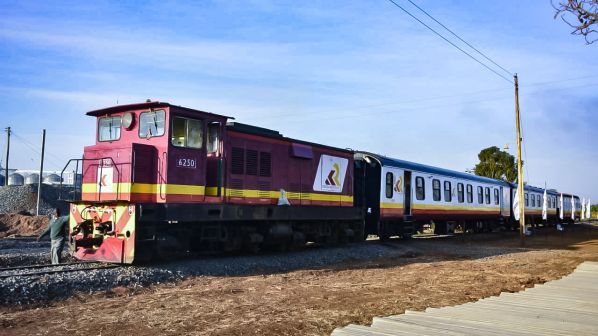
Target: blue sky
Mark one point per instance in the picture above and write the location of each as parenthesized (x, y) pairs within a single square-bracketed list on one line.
[(358, 74)]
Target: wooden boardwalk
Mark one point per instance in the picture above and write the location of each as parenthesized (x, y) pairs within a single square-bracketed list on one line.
[(568, 306)]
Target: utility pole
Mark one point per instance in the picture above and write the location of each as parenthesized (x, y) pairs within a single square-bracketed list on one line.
[(519, 166), (7, 154), (41, 171)]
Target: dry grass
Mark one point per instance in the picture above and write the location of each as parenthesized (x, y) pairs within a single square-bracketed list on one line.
[(310, 302)]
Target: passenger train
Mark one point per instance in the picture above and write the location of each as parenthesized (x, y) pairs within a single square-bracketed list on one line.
[(163, 179)]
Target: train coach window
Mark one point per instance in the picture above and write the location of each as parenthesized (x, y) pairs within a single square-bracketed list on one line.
[(109, 128), (526, 196), (436, 190), (480, 195), (469, 193), (186, 132), (487, 195), (447, 191), (496, 198), (540, 203), (420, 188), (151, 124), (533, 200), (389, 184), (460, 193)]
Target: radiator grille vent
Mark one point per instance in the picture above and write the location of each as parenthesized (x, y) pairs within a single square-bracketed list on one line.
[(265, 164), (251, 167), (237, 162)]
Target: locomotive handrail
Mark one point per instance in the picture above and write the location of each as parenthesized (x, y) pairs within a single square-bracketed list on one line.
[(80, 185)]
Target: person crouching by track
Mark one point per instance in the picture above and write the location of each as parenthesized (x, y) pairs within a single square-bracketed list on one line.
[(57, 231)]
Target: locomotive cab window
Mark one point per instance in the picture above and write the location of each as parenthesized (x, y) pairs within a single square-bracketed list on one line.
[(151, 124), (480, 195), (447, 191), (460, 193), (469, 193), (420, 188), (109, 128), (213, 137), (186, 132), (436, 190), (389, 184)]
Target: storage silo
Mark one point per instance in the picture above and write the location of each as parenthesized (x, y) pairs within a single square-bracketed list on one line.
[(32, 178), (51, 179), (15, 179)]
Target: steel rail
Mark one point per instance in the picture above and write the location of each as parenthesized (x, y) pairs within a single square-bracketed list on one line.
[(54, 271)]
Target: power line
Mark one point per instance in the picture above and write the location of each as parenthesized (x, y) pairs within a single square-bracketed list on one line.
[(451, 43), (54, 161), (462, 40), (428, 99)]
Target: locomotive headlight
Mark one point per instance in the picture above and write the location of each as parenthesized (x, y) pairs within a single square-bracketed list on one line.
[(128, 120)]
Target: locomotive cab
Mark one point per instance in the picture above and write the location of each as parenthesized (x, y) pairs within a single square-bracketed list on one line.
[(152, 153)]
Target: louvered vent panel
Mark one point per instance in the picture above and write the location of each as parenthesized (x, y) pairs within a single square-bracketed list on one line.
[(306, 191), (236, 189), (264, 189), (265, 164), (294, 193), (251, 166), (237, 163)]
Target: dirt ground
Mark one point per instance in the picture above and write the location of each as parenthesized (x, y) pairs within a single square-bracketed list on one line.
[(22, 225), (314, 302)]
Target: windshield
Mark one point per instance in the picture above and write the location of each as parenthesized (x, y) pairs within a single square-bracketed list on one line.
[(109, 128), (151, 124)]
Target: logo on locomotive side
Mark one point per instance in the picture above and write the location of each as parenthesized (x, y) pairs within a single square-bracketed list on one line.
[(331, 173), (105, 175)]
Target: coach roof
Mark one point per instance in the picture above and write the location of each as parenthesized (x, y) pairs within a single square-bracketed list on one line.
[(386, 161)]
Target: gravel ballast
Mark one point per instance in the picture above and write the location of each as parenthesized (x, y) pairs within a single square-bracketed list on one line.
[(38, 289)]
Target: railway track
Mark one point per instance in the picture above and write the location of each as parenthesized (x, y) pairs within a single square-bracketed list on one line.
[(41, 270)]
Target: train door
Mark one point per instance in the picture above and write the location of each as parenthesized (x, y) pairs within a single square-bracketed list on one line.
[(144, 171), (373, 172), (214, 162), (407, 199)]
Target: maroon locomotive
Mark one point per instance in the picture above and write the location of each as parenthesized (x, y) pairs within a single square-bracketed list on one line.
[(162, 179)]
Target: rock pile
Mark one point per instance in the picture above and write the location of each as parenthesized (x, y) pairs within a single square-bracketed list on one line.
[(23, 199)]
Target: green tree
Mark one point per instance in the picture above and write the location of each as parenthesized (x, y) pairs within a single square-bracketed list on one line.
[(496, 164)]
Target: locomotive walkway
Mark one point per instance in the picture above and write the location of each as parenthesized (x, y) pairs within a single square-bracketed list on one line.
[(568, 306)]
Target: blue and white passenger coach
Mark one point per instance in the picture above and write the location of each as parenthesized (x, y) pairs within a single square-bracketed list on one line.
[(400, 196)]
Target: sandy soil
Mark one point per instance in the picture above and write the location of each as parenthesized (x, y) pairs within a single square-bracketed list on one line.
[(22, 225), (314, 302)]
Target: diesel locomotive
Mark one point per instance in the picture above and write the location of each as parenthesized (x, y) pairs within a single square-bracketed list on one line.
[(163, 179)]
